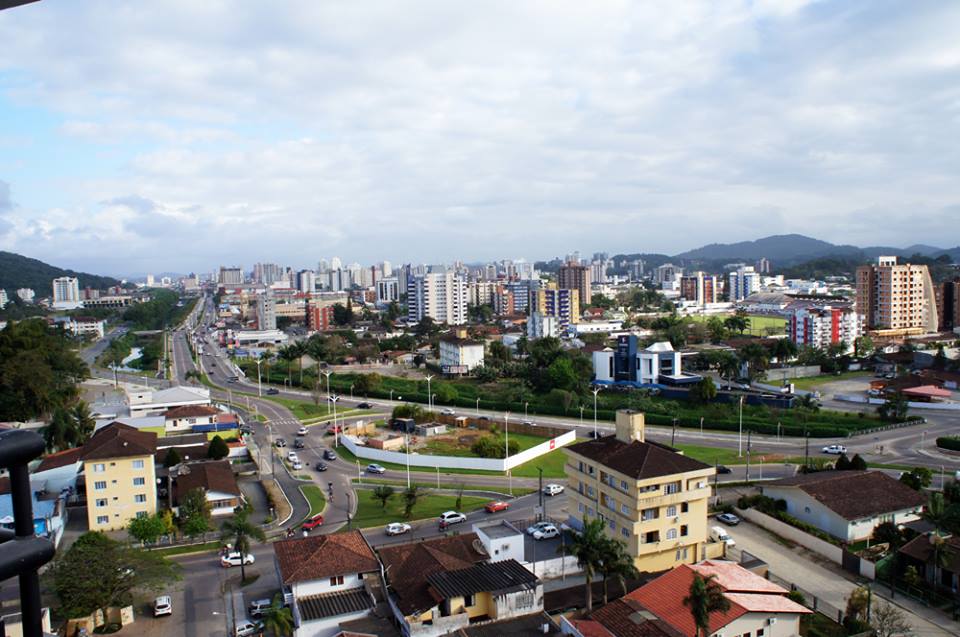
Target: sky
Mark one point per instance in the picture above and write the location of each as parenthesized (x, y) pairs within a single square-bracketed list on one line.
[(181, 135)]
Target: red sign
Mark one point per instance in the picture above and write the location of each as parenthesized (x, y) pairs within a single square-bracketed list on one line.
[(553, 443)]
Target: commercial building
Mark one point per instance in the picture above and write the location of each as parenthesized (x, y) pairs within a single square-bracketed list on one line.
[(441, 295), (742, 282), (66, 292), (658, 363), (649, 496), (896, 299), (822, 327), (562, 304), (85, 326), (460, 355), (388, 290), (266, 311), (230, 276), (576, 277), (699, 287), (119, 475)]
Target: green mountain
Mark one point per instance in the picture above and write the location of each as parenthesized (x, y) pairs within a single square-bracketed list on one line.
[(17, 271)]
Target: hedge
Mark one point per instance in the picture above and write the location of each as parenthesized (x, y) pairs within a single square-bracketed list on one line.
[(951, 443)]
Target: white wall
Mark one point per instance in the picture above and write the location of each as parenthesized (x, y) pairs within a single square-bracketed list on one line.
[(501, 548), (328, 626), (320, 586), (59, 478)]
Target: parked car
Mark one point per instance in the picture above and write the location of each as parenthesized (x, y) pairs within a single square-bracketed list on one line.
[(835, 449), (552, 489), (452, 517), (364, 406), (497, 505), (329, 454), (298, 444), (281, 442), (723, 469), (292, 455), (376, 468), (246, 429), (233, 559), (533, 528), (162, 606), (321, 466), (595, 434), (728, 518), (247, 628), (273, 391), (397, 528), (486, 418), (302, 431), (313, 522), (258, 607), (296, 465), (546, 532)]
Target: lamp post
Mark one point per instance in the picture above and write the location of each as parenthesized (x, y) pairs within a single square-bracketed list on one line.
[(478, 407), (506, 434), (391, 395), (336, 436), (406, 446), (351, 391), (259, 380), (525, 405), (596, 391), (429, 404), (327, 374), (581, 415), (740, 434)]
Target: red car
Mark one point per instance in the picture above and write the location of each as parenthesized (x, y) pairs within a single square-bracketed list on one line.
[(499, 505), (313, 522)]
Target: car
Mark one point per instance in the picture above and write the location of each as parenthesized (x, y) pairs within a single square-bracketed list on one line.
[(233, 559), (162, 606), (246, 429), (546, 532), (552, 489), (296, 465), (835, 449), (321, 466), (728, 518), (452, 517), (329, 455), (717, 534), (247, 628), (376, 468), (533, 528), (292, 455), (497, 505), (528, 422), (302, 431), (281, 442), (596, 435), (298, 444), (723, 469), (484, 418), (272, 391), (258, 607), (397, 528), (446, 411), (364, 406), (313, 522)]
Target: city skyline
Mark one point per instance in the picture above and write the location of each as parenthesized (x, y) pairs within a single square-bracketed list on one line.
[(373, 131)]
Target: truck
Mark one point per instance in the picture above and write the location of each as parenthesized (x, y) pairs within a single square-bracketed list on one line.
[(718, 534)]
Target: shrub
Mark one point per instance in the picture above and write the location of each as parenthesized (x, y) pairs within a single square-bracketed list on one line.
[(951, 443), (493, 447)]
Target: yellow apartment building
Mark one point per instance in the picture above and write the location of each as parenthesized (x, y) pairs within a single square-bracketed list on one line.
[(651, 497), (120, 478)]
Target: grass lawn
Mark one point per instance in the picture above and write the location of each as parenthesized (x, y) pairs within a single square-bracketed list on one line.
[(194, 548), (450, 445), (347, 456), (370, 513), (711, 455), (811, 383), (315, 497), (402, 484)]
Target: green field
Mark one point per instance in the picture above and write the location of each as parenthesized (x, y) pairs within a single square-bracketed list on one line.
[(401, 484), (370, 513), (759, 323), (813, 382), (443, 446), (315, 497), (711, 455)]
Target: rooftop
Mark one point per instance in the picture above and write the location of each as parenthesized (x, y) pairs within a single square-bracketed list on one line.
[(119, 441), (516, 627), (322, 556), (313, 607), (855, 494), (60, 459), (191, 411), (639, 460), (210, 476), (507, 576)]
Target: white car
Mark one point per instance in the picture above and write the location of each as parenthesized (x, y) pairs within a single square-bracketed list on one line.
[(302, 431), (533, 528), (292, 456), (246, 628), (259, 607), (296, 465), (452, 517), (397, 528), (233, 559), (162, 606), (552, 489), (528, 422), (376, 468), (546, 532), (447, 411), (835, 450)]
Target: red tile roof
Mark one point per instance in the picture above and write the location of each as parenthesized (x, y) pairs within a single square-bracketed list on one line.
[(191, 411), (117, 440), (855, 494), (733, 577), (60, 459), (210, 476), (323, 556)]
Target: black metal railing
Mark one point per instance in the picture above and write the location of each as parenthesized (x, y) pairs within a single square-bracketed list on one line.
[(22, 552)]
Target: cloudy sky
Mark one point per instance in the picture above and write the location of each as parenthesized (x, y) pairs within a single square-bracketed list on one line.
[(176, 135)]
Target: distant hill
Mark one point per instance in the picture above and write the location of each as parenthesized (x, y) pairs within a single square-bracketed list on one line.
[(17, 271)]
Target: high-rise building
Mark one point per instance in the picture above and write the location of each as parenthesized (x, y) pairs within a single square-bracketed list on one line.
[(230, 276), (896, 297), (319, 316), (26, 294), (503, 301), (440, 294), (742, 282), (266, 311), (336, 263), (574, 276), (699, 287), (267, 273), (667, 274), (3, 298), (388, 290), (541, 326), (636, 270), (763, 265), (822, 327), (306, 281), (948, 305), (564, 305), (66, 290), (598, 272), (150, 281), (521, 293)]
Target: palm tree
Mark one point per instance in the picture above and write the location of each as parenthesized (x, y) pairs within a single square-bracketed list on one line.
[(588, 547), (83, 421), (278, 620), (382, 494), (783, 350), (241, 530), (288, 353), (410, 497), (60, 433), (738, 323), (705, 597), (300, 349), (616, 563)]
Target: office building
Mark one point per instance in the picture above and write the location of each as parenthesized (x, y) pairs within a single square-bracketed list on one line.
[(440, 294), (896, 299), (650, 497), (564, 305), (267, 273), (742, 282), (573, 276), (266, 311), (388, 290), (822, 327), (948, 305), (230, 276), (657, 364), (699, 287), (120, 477)]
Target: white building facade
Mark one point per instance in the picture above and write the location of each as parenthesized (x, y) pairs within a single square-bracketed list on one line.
[(441, 295)]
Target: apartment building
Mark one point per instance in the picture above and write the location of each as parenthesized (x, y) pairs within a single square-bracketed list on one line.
[(266, 311), (563, 304), (822, 327), (573, 276), (119, 475), (66, 292), (896, 299), (742, 282), (699, 287), (230, 276), (503, 302), (542, 326), (460, 355), (650, 496), (948, 304), (441, 295), (388, 290)]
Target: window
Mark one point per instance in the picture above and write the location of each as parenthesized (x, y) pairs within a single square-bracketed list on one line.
[(336, 581), (759, 632), (671, 534), (649, 489), (590, 491), (100, 485), (673, 487), (468, 600), (102, 502), (138, 464), (580, 507), (806, 509), (140, 498), (623, 485), (142, 514), (684, 507), (683, 530), (624, 509), (103, 519), (99, 467), (679, 555), (138, 482), (671, 511), (649, 514), (624, 532), (612, 525)]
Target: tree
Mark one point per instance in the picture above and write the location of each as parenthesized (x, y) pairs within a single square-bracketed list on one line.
[(148, 528), (97, 573), (783, 350), (716, 329), (917, 478), (343, 314), (383, 494), (704, 391), (218, 449), (705, 597), (887, 533), (737, 323), (410, 497), (195, 514), (172, 458), (888, 620), (615, 563), (83, 422), (857, 463), (863, 346), (278, 619), (426, 327), (239, 530), (460, 488), (498, 354), (366, 383), (894, 409), (561, 374), (588, 547), (757, 359), (60, 433), (843, 463)]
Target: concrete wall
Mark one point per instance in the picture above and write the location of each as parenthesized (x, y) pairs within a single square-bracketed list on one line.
[(786, 373), (853, 398), (831, 552), (554, 567)]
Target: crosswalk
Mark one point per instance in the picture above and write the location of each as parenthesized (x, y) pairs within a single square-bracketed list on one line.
[(285, 422)]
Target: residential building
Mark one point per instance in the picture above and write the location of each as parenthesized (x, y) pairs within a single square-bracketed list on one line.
[(440, 294), (49, 510), (388, 290), (119, 475), (319, 316), (266, 311), (757, 607), (3, 298), (329, 579), (896, 299), (521, 293), (230, 276), (183, 419), (85, 326), (667, 274), (66, 292), (215, 478), (562, 304), (598, 272), (59, 471), (573, 276), (939, 567), (306, 281), (481, 292), (948, 305), (460, 355), (742, 282), (503, 301), (848, 505), (267, 273), (649, 496), (148, 402), (699, 287), (26, 294), (763, 265), (541, 326), (658, 363), (822, 327)]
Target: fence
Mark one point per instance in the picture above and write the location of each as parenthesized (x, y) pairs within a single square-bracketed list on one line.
[(852, 398), (810, 600)]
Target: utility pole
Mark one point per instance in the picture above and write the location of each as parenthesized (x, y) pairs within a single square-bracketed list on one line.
[(749, 431), (740, 435), (540, 516), (806, 448), (673, 436)]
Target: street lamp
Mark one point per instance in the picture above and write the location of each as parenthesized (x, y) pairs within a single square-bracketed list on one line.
[(327, 374), (596, 391), (525, 405), (429, 405), (478, 407), (581, 415), (391, 395), (336, 438), (740, 434), (259, 380)]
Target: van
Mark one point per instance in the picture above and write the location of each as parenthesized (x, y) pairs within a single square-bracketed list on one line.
[(718, 534)]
